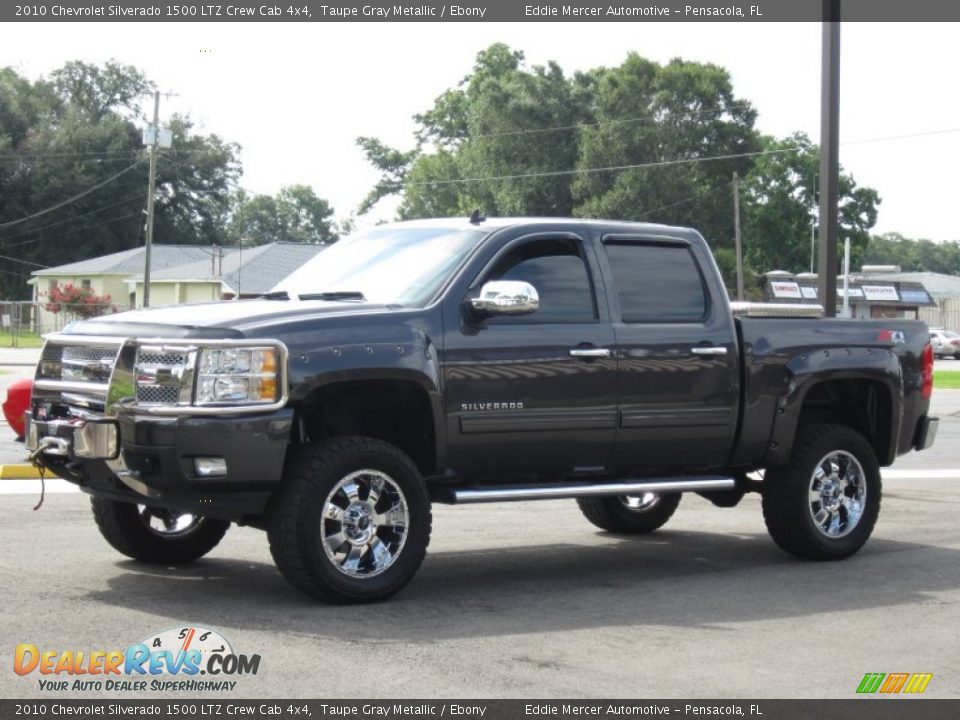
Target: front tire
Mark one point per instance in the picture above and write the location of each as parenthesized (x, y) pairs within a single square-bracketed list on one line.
[(825, 503), (153, 535), (351, 523), (630, 514)]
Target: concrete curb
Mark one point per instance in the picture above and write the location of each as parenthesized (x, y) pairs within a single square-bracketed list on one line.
[(20, 471)]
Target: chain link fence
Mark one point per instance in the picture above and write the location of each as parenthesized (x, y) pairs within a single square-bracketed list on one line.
[(23, 323)]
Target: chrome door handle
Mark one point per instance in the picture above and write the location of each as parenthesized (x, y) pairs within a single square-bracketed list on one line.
[(709, 350), (590, 352)]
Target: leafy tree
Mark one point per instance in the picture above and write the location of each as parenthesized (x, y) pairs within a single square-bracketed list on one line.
[(478, 131), (779, 205), (914, 255), (295, 214), (74, 130), (542, 135), (653, 115)]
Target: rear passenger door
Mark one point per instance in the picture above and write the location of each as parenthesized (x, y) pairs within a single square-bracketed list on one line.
[(677, 374)]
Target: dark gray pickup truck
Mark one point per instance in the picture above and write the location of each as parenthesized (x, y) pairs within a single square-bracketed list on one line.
[(464, 361)]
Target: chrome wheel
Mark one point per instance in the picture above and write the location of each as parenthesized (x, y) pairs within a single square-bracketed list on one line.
[(364, 523), (837, 494), (167, 523), (640, 503)]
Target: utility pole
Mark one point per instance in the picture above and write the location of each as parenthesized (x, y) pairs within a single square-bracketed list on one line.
[(813, 223), (151, 192), (736, 235), (829, 157)]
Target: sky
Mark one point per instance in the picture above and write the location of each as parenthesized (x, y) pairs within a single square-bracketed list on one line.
[(296, 96)]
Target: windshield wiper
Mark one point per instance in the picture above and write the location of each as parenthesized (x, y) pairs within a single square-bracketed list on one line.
[(276, 295), (335, 295)]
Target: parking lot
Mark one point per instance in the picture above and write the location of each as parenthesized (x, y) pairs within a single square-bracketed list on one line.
[(528, 600)]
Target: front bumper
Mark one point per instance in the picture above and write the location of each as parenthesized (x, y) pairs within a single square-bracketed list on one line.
[(153, 460), (73, 438)]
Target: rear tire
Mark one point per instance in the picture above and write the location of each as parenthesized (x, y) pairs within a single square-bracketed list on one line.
[(351, 523), (630, 514), (153, 535), (825, 503)]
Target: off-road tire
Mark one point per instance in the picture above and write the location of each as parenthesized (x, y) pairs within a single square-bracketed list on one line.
[(612, 515), (787, 504), (295, 522), (122, 525)]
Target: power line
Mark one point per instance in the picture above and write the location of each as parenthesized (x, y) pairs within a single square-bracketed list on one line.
[(611, 168), (70, 200), (600, 123), (25, 262), (698, 196), (65, 220), (927, 133), (107, 220), (73, 154), (73, 161), (658, 163)]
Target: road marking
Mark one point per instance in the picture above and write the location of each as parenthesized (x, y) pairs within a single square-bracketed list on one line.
[(56, 485), (906, 474), (27, 487)]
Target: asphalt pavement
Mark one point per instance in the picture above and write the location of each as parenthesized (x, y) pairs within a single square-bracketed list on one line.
[(527, 600)]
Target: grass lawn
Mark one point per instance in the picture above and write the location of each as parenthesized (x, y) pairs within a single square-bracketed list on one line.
[(24, 340), (949, 380)]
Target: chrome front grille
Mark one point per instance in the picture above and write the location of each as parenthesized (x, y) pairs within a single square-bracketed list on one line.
[(162, 358), (164, 376), (89, 376), (157, 394), (79, 372)]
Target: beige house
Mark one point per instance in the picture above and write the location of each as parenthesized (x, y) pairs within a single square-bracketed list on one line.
[(178, 274)]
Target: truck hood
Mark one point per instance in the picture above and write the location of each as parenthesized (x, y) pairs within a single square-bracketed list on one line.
[(227, 318)]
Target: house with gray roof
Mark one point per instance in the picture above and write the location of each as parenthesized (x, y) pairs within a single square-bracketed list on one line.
[(178, 274)]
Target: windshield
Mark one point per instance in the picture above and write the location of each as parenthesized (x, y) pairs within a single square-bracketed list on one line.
[(389, 266)]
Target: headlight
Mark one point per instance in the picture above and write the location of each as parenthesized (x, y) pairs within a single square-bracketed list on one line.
[(237, 375)]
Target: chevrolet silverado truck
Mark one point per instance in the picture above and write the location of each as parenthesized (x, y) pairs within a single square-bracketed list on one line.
[(467, 361)]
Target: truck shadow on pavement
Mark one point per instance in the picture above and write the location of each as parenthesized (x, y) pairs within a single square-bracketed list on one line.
[(683, 579)]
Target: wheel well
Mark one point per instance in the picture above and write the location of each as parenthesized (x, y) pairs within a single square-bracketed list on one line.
[(864, 405), (395, 411)]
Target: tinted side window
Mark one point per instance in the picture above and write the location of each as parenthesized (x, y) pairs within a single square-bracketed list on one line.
[(558, 272), (657, 283)]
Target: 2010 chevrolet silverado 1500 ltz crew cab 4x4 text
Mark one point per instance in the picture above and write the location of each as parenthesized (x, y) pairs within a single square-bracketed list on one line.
[(455, 361)]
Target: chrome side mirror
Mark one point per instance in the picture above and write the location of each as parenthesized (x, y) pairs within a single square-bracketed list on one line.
[(506, 297)]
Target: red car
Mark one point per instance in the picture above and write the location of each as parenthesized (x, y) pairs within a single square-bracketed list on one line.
[(18, 402)]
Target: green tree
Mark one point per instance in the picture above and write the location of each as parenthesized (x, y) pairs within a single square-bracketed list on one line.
[(672, 119), (63, 135), (512, 139), (295, 215), (779, 206), (479, 130), (914, 255)]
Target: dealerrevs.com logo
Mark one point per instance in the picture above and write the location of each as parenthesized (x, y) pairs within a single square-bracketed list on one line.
[(180, 659)]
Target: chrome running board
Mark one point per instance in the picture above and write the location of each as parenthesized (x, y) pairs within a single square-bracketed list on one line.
[(470, 495)]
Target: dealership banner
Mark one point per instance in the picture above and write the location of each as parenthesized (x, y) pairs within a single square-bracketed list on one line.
[(874, 708), (478, 11)]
